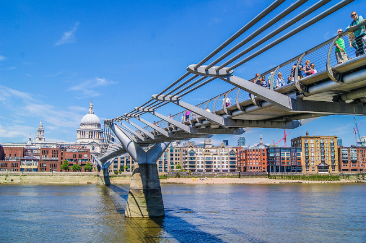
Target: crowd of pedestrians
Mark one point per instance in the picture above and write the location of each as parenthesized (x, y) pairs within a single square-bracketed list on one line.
[(357, 40)]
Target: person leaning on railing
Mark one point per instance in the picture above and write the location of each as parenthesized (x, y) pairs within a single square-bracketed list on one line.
[(293, 70), (263, 82), (359, 34), (280, 81), (307, 69), (256, 79), (340, 50)]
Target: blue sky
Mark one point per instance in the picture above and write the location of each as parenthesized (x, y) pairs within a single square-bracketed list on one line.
[(57, 55)]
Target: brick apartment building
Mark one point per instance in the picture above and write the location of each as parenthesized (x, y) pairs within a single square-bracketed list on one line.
[(352, 159), (252, 160), (35, 159), (80, 156)]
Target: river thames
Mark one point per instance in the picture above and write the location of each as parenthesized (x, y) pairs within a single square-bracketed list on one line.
[(194, 213)]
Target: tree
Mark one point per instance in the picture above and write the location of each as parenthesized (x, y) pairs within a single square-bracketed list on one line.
[(88, 167), (65, 165), (125, 167), (76, 167), (178, 167)]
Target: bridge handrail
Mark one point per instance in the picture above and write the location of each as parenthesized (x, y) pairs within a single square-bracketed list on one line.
[(164, 124)]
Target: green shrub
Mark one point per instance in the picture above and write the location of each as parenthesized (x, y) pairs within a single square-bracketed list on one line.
[(315, 177)]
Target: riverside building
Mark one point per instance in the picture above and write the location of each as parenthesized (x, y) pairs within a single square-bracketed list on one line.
[(253, 158), (190, 156), (352, 159), (90, 134), (283, 159), (1, 152), (42, 155), (241, 141), (36, 159), (209, 158), (319, 153)]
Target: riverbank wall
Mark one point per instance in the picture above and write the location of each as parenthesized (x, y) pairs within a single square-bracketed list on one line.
[(125, 178), (59, 178)]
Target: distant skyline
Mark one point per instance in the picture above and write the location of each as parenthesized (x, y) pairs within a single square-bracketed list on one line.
[(57, 55)]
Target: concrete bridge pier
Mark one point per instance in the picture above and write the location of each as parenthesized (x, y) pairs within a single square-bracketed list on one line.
[(104, 176), (145, 199)]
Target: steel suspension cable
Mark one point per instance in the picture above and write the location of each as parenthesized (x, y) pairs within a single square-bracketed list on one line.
[(277, 31), (256, 19), (293, 32), (280, 16)]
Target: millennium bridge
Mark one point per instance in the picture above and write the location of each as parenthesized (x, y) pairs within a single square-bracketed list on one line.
[(332, 88)]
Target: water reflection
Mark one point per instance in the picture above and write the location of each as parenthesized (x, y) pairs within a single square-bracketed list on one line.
[(194, 213)]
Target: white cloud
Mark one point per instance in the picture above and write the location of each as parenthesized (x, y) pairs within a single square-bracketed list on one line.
[(9, 68), (53, 75), (69, 36), (78, 108), (2, 58), (13, 131), (214, 21), (87, 87), (23, 107)]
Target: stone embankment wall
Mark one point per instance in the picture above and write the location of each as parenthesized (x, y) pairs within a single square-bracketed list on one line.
[(59, 178)]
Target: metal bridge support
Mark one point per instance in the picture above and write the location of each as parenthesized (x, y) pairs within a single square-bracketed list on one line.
[(144, 198)]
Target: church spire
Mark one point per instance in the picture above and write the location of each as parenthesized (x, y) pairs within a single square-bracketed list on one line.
[(91, 107), (40, 125)]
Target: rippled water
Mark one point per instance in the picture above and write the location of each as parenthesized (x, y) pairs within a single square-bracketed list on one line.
[(194, 213)]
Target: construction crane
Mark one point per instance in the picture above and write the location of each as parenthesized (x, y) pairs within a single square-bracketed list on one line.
[(357, 132), (284, 138)]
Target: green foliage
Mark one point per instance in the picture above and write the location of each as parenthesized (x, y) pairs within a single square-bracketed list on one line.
[(65, 165), (115, 172), (178, 167), (119, 171), (189, 172), (177, 175), (88, 167), (76, 167), (315, 177)]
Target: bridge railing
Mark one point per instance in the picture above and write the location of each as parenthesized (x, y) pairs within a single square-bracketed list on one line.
[(322, 56)]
